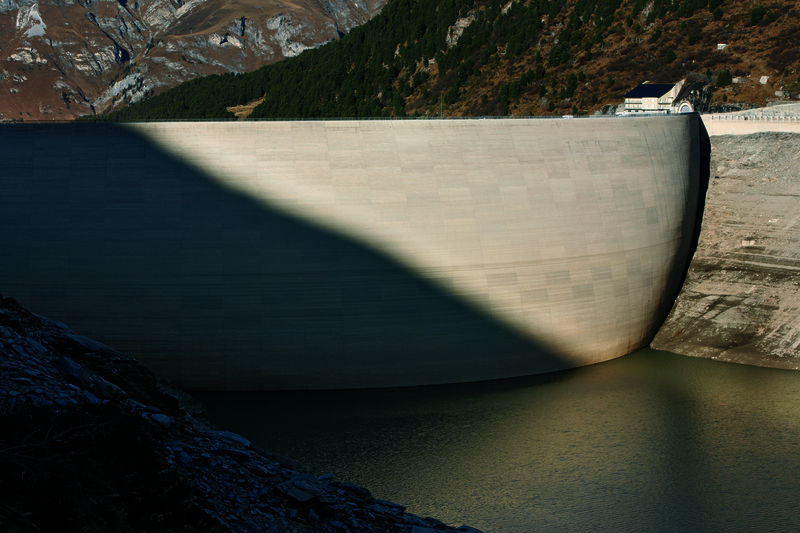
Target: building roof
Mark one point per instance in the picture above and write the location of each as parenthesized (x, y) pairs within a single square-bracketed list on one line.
[(650, 90)]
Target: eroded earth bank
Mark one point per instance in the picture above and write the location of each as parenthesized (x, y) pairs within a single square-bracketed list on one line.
[(741, 299)]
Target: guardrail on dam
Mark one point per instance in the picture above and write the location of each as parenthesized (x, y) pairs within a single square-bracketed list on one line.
[(353, 253)]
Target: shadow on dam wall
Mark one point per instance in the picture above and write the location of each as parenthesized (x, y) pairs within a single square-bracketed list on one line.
[(106, 231), (703, 155)]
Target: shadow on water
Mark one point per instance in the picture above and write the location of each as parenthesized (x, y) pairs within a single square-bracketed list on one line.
[(106, 231), (648, 442)]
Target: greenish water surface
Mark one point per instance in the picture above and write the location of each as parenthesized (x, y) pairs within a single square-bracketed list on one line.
[(649, 442)]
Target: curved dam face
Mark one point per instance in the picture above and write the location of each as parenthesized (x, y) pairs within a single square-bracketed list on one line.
[(337, 254)]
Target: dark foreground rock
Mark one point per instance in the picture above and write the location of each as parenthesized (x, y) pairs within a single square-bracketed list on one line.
[(741, 299), (90, 440)]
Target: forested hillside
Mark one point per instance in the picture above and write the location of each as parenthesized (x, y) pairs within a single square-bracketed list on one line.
[(521, 57)]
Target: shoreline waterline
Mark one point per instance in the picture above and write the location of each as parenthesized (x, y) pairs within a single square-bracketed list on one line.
[(649, 441)]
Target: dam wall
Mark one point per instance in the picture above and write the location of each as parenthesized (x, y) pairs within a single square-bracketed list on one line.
[(337, 254)]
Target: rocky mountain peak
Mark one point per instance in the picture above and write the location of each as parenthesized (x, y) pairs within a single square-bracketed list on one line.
[(60, 59)]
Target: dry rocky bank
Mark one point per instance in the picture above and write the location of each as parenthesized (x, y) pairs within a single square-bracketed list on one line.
[(741, 298)]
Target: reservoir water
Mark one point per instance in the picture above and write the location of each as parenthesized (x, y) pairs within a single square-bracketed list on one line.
[(651, 441)]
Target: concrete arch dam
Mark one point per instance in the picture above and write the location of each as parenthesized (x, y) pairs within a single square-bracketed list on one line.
[(328, 254)]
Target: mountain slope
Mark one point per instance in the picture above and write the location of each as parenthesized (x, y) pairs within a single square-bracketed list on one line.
[(526, 57), (64, 58)]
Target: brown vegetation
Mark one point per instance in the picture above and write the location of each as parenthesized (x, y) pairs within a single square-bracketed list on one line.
[(633, 50)]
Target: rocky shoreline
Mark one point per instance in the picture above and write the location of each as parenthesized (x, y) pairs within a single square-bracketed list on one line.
[(741, 299), (93, 441)]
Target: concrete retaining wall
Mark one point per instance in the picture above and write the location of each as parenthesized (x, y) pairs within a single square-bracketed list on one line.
[(737, 124), (353, 253)]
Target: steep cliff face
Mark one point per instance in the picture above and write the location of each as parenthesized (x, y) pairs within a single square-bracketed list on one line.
[(741, 299), (64, 58)]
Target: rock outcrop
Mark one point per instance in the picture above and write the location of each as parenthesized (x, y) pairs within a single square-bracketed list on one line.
[(92, 441), (741, 298), (60, 59)]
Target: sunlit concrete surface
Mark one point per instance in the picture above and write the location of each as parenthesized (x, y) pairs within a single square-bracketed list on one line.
[(739, 124), (353, 253)]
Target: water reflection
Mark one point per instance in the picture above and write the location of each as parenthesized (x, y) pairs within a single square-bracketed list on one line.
[(651, 441)]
